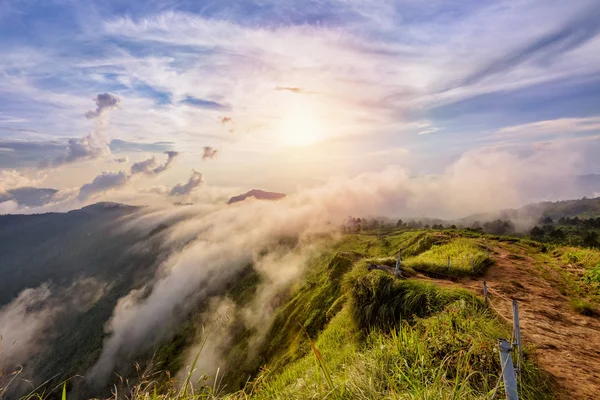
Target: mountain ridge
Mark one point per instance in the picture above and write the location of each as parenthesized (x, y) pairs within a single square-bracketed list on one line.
[(257, 194)]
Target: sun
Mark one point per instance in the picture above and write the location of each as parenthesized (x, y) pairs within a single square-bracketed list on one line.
[(299, 128)]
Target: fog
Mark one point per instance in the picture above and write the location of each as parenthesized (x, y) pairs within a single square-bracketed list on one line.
[(218, 241)]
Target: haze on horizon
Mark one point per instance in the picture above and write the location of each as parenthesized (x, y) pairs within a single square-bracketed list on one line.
[(185, 101)]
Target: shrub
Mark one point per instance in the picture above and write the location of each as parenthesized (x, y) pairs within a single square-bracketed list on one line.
[(378, 299)]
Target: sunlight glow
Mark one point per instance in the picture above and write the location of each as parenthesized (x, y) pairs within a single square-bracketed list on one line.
[(303, 120), (300, 129)]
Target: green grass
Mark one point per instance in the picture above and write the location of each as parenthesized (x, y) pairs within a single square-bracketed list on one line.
[(343, 332), (312, 305), (447, 355), (408, 243), (586, 258), (462, 253), (378, 300), (583, 307)]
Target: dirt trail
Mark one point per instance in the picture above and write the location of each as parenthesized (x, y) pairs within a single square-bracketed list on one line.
[(568, 344)]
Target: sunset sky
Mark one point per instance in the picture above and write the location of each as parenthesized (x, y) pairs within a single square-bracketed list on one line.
[(281, 95)]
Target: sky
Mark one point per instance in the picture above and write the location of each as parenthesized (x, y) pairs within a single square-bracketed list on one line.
[(178, 101)]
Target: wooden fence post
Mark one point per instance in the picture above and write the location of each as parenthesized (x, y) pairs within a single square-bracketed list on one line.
[(398, 261), (517, 334), (508, 371), (485, 293)]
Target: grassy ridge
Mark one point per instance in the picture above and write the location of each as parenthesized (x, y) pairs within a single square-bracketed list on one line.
[(375, 336), (467, 257), (403, 339)]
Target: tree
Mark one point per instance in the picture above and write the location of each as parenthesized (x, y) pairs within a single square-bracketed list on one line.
[(400, 224), (536, 232), (476, 225), (546, 220), (558, 234), (591, 239), (499, 227)]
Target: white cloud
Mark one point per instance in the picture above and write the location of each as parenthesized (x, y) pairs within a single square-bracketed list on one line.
[(560, 126), (12, 179), (96, 143)]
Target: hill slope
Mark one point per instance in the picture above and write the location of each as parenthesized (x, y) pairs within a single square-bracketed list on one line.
[(371, 335)]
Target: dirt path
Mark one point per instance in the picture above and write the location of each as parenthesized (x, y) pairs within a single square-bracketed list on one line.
[(568, 344)]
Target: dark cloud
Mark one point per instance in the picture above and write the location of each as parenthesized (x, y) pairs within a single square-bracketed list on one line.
[(183, 189), (104, 102), (121, 160), (170, 157), (30, 196), (289, 89), (89, 147), (122, 146), (150, 167), (228, 121), (144, 167), (567, 37), (209, 152), (102, 183), (18, 153), (202, 103)]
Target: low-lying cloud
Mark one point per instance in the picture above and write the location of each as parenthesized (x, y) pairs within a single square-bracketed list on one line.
[(221, 240), (25, 323)]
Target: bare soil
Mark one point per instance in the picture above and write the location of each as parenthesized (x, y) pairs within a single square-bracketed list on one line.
[(567, 344)]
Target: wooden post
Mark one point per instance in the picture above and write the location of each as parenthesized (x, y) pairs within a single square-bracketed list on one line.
[(398, 261), (508, 371), (517, 334), (485, 293)]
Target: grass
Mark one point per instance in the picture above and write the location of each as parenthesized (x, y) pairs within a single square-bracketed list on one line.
[(583, 307), (586, 258), (344, 332), (447, 355), (378, 300), (467, 257)]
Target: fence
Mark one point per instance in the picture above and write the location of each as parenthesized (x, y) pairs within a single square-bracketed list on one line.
[(511, 374)]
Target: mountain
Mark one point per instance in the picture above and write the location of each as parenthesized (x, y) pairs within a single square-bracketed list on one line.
[(528, 215), (257, 194), (73, 283), (62, 275)]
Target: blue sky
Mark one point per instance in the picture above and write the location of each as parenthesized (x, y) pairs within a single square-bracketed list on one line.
[(290, 93)]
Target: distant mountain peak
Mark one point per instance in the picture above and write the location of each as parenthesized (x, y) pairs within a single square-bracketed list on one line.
[(257, 194), (107, 205)]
